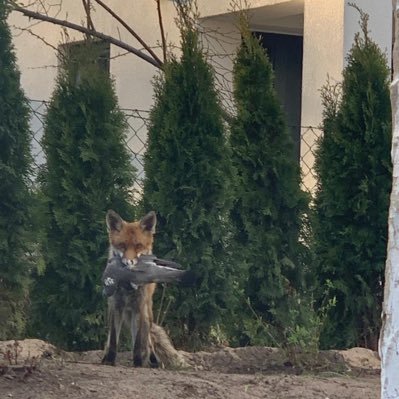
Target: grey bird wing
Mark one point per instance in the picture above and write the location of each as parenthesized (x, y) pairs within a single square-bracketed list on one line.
[(144, 272), (160, 262), (150, 272)]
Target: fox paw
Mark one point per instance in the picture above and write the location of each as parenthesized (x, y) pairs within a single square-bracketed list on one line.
[(109, 359), (151, 362)]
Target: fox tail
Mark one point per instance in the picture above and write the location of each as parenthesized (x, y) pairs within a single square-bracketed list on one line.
[(167, 355)]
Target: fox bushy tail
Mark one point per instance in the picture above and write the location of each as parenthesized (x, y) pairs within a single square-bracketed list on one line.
[(168, 357)]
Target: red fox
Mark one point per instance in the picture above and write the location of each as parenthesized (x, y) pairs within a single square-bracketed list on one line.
[(133, 305)]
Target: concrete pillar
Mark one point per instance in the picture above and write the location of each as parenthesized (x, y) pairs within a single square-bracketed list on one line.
[(323, 44)]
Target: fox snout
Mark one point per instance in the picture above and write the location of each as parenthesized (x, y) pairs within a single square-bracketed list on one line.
[(129, 263)]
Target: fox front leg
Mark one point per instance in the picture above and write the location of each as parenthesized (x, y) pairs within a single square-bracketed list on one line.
[(115, 319)]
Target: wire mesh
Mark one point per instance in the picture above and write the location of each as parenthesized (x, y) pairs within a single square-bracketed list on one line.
[(310, 136), (136, 143)]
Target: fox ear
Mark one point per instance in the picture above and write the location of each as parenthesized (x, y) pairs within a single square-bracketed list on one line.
[(114, 221), (148, 222)]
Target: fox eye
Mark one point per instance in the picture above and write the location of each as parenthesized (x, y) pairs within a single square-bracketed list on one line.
[(139, 247), (121, 247)]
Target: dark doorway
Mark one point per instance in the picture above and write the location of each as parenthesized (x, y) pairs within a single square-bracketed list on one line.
[(286, 53)]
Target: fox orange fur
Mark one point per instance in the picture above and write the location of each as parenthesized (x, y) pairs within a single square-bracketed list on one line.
[(133, 306)]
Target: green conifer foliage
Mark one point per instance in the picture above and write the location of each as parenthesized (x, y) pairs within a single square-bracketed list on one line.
[(188, 174), (14, 194), (269, 205), (354, 170), (88, 171)]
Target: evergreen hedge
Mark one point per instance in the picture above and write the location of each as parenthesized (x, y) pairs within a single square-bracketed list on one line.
[(188, 176), (354, 172), (15, 163), (269, 207), (88, 170)]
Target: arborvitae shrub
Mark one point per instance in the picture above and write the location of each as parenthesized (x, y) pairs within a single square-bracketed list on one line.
[(269, 204), (14, 194), (188, 174), (354, 173), (88, 170)]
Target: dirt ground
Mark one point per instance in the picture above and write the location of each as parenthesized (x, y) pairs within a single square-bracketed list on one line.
[(43, 372)]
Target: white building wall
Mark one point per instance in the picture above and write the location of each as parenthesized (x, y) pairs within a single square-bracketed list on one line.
[(133, 76), (329, 27), (329, 30), (221, 40), (380, 23), (37, 61), (209, 8), (323, 43)]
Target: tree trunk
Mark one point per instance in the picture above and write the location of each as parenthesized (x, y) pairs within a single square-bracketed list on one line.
[(389, 341)]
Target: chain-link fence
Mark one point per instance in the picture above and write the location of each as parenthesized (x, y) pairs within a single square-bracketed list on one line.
[(38, 112), (136, 138), (309, 142)]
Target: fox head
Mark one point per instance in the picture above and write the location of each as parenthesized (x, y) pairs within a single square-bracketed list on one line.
[(131, 239)]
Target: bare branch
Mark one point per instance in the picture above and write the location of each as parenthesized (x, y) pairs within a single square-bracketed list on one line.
[(35, 15), (130, 30), (45, 67), (36, 36), (162, 29), (119, 55), (87, 7), (45, 10)]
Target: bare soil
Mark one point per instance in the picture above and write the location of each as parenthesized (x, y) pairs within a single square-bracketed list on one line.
[(44, 372)]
